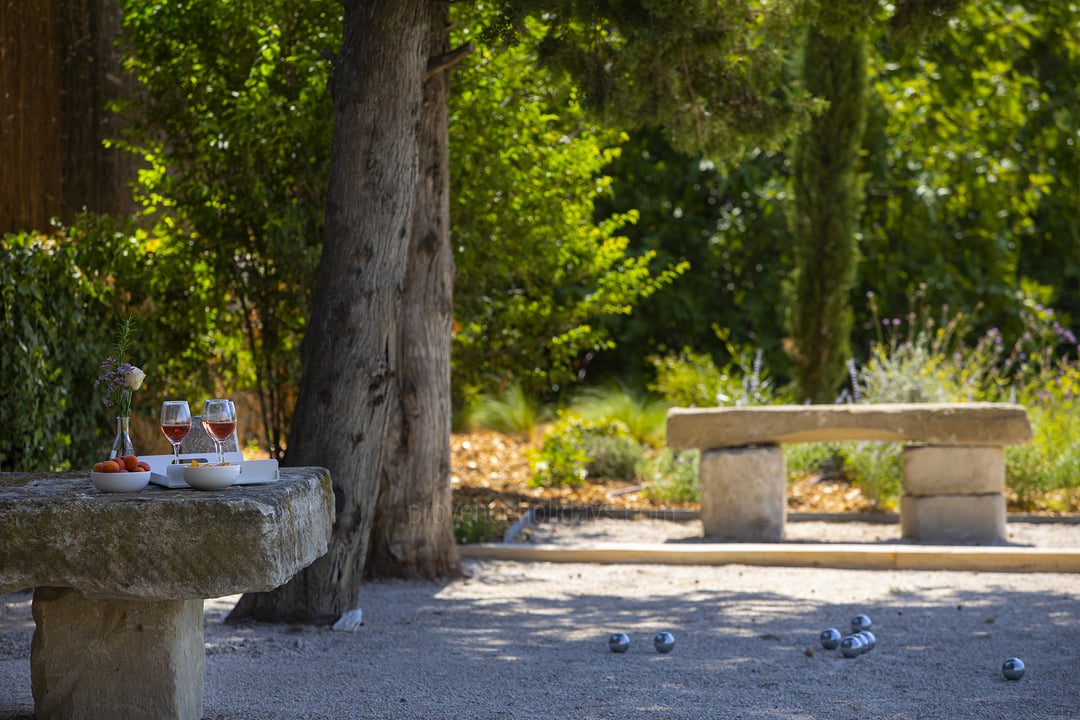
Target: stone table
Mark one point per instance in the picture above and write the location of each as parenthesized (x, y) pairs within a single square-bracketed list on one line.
[(119, 580)]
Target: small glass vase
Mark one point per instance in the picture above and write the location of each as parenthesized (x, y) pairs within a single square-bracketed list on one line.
[(122, 444)]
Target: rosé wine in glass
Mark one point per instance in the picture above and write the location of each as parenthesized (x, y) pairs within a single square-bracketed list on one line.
[(219, 421), (175, 424)]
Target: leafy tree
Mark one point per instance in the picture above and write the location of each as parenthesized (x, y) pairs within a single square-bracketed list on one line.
[(62, 296), (828, 186), (727, 222), (527, 168), (352, 347), (826, 210), (237, 152), (971, 179)]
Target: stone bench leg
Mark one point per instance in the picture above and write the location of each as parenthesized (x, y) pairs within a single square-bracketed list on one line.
[(744, 493), (117, 659), (953, 494)]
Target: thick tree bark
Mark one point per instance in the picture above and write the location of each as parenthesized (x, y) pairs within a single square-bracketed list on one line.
[(30, 119), (59, 68), (91, 75), (351, 345), (413, 534)]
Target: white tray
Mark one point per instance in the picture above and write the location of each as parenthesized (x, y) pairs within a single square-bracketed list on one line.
[(252, 472)]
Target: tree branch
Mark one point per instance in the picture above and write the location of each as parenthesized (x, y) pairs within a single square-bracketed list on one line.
[(447, 60)]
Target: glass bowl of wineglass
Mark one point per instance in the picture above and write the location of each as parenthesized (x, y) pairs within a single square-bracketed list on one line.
[(175, 424), (219, 421)]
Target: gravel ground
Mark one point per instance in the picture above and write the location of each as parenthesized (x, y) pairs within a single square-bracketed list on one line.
[(529, 640)]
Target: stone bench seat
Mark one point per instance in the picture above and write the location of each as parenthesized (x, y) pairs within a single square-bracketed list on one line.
[(119, 580), (953, 464)]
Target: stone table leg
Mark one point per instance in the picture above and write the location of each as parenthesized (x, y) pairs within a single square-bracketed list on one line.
[(117, 659), (743, 493), (953, 494)]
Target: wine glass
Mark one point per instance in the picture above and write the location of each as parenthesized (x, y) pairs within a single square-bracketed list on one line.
[(176, 424), (219, 421)]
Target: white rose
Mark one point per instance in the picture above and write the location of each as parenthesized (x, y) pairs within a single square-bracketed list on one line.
[(134, 379)]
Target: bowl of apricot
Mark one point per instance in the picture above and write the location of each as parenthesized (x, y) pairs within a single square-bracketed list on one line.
[(122, 474)]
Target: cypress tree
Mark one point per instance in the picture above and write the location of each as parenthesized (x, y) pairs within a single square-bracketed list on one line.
[(828, 197)]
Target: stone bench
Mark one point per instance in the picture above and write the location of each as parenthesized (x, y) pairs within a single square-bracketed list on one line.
[(953, 472), (119, 580)]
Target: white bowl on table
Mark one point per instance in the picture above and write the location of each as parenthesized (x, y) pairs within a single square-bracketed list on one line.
[(120, 481), (211, 477)]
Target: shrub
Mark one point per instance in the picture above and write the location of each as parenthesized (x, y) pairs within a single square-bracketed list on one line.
[(511, 412), (613, 452), (876, 469), (926, 358), (672, 476), (645, 417), (690, 379), (561, 458), (575, 449), (811, 458), (476, 524)]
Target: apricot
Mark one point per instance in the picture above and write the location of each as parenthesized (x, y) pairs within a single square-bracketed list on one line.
[(144, 466), (131, 462), (110, 466), (97, 466)]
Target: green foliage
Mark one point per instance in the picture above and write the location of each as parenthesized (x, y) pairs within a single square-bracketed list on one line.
[(828, 197), (612, 449), (475, 524), (511, 412), (971, 168), (535, 272), (876, 469), (688, 379), (811, 458), (574, 449), (51, 319), (927, 357), (63, 296), (1047, 471), (672, 476), (728, 223), (691, 379), (232, 115), (561, 458), (645, 417), (712, 74)]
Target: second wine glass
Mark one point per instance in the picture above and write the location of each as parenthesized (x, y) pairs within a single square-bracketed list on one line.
[(219, 421), (176, 424)]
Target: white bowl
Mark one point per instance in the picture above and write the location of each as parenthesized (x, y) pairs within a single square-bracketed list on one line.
[(120, 481), (211, 477)]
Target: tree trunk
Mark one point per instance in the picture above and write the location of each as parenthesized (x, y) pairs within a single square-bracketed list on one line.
[(93, 177), (59, 68), (413, 534), (351, 346), (30, 119), (828, 196)]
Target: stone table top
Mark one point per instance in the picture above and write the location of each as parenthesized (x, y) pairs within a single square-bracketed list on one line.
[(58, 530), (992, 424)]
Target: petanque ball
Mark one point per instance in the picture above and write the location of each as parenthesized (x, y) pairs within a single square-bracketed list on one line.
[(830, 638), (860, 622), (869, 641), (619, 642), (851, 646), (1013, 669), (664, 642)]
